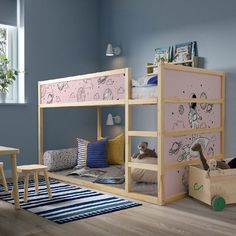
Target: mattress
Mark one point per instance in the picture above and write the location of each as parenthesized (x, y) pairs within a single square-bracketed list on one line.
[(116, 171), (144, 92)]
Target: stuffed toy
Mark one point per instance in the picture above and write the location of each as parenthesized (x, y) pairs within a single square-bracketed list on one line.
[(212, 163), (144, 151), (219, 164)]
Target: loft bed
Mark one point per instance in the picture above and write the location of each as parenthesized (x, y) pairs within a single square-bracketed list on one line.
[(190, 109)]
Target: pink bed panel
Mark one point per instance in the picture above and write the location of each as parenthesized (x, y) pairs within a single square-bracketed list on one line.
[(178, 148), (93, 89), (179, 116), (181, 84), (175, 181)]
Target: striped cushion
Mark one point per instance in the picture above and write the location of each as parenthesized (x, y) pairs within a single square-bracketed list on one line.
[(97, 154), (82, 153)]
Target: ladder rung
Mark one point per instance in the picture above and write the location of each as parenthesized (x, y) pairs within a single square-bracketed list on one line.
[(147, 101), (143, 133), (143, 166)]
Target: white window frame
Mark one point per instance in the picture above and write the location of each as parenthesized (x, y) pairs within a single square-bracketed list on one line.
[(12, 56)]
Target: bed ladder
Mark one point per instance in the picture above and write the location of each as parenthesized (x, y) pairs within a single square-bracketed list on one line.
[(128, 139)]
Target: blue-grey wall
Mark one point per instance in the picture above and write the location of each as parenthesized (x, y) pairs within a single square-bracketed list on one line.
[(8, 12), (141, 26), (60, 40)]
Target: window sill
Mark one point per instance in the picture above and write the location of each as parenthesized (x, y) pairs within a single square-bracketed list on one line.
[(13, 104)]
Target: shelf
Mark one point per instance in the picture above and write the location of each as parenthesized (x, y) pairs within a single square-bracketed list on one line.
[(144, 166), (143, 133), (144, 101), (150, 66)]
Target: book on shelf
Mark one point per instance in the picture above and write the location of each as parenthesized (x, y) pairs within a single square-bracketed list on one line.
[(162, 55), (184, 51)]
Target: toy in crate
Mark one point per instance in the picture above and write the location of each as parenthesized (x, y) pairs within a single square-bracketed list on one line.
[(216, 188)]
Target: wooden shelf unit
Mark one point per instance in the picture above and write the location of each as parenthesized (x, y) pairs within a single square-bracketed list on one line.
[(161, 134), (192, 63)]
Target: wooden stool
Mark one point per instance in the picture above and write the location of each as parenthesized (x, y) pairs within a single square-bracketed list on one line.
[(4, 182), (26, 170)]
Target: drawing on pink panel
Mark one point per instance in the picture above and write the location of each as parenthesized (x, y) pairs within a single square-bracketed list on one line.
[(94, 89), (179, 148), (193, 115), (175, 181), (181, 84)]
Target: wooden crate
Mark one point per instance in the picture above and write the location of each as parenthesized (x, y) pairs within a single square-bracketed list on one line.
[(216, 190)]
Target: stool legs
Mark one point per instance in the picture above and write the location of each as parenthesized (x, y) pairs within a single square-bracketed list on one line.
[(26, 185), (4, 182), (47, 183), (36, 182)]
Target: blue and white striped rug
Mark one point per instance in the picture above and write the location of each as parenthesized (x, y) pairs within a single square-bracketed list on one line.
[(68, 203)]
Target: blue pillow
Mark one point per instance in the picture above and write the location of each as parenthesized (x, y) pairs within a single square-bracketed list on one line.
[(153, 80), (97, 154)]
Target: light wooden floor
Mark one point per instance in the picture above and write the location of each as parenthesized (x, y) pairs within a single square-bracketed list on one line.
[(185, 217)]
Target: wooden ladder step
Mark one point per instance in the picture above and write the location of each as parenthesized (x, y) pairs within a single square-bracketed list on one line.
[(144, 166), (143, 133)]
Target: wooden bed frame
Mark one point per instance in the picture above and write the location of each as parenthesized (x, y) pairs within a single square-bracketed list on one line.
[(165, 169)]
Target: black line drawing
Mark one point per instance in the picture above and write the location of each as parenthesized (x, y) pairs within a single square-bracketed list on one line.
[(175, 148), (178, 125), (50, 98), (43, 91), (107, 95), (185, 155), (121, 90), (102, 80), (96, 96), (58, 99), (210, 152), (181, 109), (203, 96), (60, 86), (88, 84), (81, 96), (187, 152), (109, 82), (193, 116), (72, 95), (209, 108)]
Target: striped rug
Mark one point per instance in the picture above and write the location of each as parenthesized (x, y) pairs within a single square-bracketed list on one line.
[(68, 203)]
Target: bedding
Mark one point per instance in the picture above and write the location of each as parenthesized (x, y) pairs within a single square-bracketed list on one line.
[(117, 171), (144, 176), (144, 92)]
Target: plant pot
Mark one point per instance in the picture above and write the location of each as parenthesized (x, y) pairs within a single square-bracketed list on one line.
[(3, 96)]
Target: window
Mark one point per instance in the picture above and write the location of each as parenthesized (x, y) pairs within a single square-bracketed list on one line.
[(8, 46)]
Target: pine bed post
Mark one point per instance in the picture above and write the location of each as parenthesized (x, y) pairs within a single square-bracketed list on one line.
[(128, 118), (223, 115), (160, 138), (99, 123), (40, 127)]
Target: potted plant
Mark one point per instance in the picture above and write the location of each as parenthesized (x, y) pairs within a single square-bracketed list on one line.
[(7, 77)]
